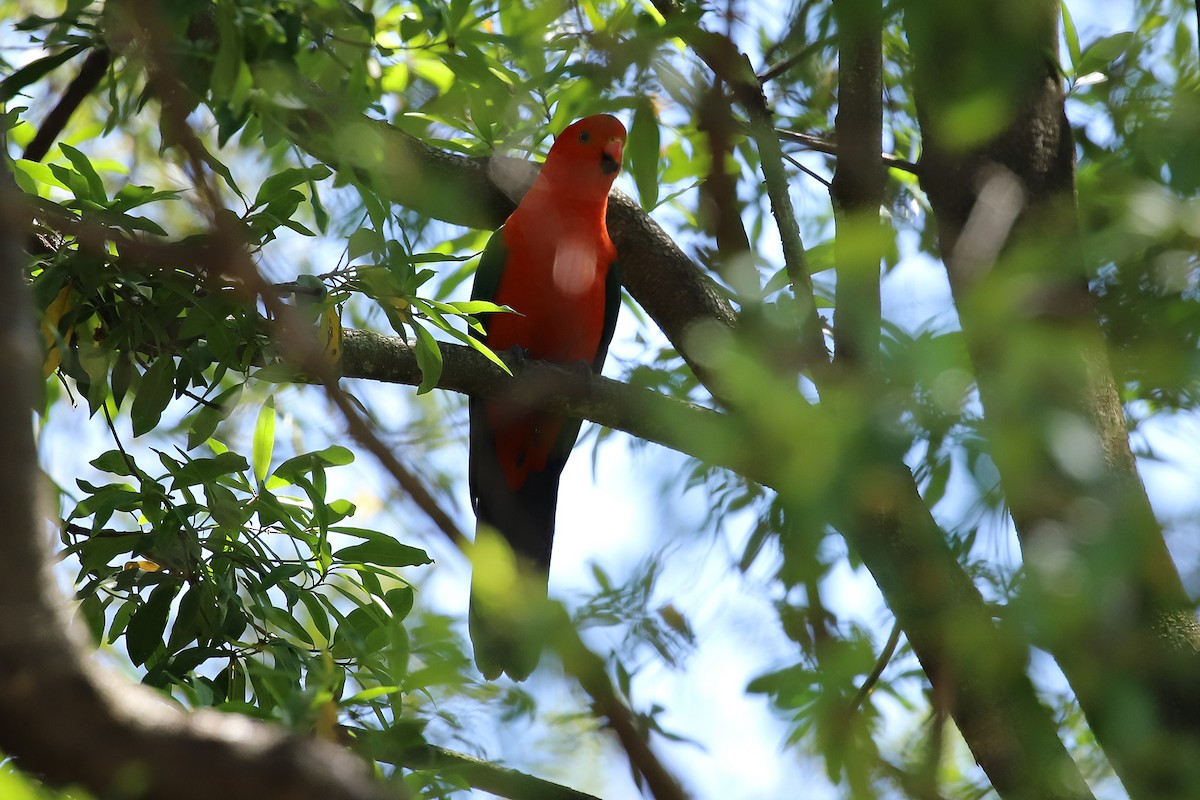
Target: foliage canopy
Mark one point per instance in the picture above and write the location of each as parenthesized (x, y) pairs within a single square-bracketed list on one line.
[(904, 314)]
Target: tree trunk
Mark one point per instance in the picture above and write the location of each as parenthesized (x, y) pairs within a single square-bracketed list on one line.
[(1101, 591)]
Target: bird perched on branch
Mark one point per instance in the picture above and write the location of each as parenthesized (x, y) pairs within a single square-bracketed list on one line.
[(553, 264)]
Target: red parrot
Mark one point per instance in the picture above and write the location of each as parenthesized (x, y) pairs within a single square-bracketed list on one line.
[(553, 264)]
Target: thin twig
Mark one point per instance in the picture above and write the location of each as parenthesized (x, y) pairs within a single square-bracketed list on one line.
[(828, 147), (810, 173), (728, 63), (885, 656), (588, 668)]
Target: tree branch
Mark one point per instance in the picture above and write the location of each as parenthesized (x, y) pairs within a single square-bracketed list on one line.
[(950, 629), (91, 72), (66, 718), (858, 184), (729, 64), (482, 192), (643, 413), (588, 669), (827, 147)]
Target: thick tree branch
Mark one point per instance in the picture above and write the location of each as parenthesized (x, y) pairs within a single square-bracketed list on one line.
[(942, 612), (482, 192), (643, 413), (1124, 630), (858, 183)]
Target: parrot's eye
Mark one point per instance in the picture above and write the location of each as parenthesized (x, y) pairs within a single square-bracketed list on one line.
[(585, 136)]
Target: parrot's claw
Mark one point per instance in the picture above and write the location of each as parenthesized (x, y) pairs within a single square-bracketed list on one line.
[(515, 357)]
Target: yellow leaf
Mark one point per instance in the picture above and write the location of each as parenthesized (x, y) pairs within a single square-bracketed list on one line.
[(331, 335), (54, 312), (143, 565)]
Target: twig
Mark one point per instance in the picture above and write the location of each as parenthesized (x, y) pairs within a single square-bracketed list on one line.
[(810, 173), (365, 435), (828, 147), (731, 66), (885, 656), (588, 669)]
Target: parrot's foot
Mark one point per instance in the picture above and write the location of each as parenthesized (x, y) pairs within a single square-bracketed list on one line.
[(515, 357)]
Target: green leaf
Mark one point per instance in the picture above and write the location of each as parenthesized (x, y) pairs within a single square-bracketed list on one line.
[(113, 462), (204, 424), (188, 619), (84, 167), (400, 601), (153, 393), (429, 359), (319, 213), (301, 465), (384, 552), (363, 241), (317, 614), (144, 634), (71, 179), (34, 71), (132, 195), (370, 694), (478, 307), (644, 148), (39, 173), (91, 608), (1100, 54), (207, 470), (279, 373), (288, 624), (218, 167), (277, 185), (264, 440), (480, 348), (1071, 35)]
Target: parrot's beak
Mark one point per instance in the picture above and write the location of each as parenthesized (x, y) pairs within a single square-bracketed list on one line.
[(610, 159)]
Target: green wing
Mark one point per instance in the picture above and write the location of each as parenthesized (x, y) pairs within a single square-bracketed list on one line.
[(491, 267), (612, 305)]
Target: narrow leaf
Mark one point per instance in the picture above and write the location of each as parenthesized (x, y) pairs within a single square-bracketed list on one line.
[(264, 440), (429, 359), (644, 148), (84, 167)]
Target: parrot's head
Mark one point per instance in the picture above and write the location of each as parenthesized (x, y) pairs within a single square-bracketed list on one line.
[(590, 151)]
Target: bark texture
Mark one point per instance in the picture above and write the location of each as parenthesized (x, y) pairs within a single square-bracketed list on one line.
[(1103, 594)]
